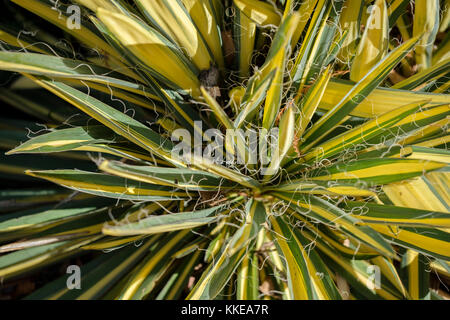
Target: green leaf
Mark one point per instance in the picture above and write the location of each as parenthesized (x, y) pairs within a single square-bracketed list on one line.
[(103, 278), (393, 215), (117, 121), (255, 93), (142, 281), (428, 241), (167, 222), (299, 278), (416, 275), (260, 12), (373, 45), (179, 178), (152, 51), (63, 68), (47, 216), (367, 171), (436, 70), (426, 22), (328, 213), (15, 263), (375, 102), (358, 136), (219, 272), (248, 278), (244, 34), (109, 186), (284, 142), (66, 139), (363, 88), (172, 20)]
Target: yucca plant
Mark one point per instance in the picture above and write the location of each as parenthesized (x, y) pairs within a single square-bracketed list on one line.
[(350, 200)]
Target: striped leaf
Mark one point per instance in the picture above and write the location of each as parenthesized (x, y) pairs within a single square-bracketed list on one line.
[(143, 279), (375, 103), (217, 275), (117, 121), (153, 51), (109, 186), (225, 172), (47, 216), (430, 242), (66, 139), (166, 222), (367, 171), (248, 278), (201, 11), (179, 279), (426, 21), (321, 188), (63, 68), (359, 274), (350, 20), (429, 192), (172, 20), (439, 69), (393, 215), (327, 213), (312, 40), (253, 97), (44, 8), (219, 272), (359, 135), (373, 45), (260, 12), (389, 271), (415, 275), (14, 263), (179, 178), (110, 272), (284, 143), (363, 88), (299, 278), (244, 35), (217, 109)]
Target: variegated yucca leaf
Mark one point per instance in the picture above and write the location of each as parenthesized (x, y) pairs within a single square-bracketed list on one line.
[(131, 146)]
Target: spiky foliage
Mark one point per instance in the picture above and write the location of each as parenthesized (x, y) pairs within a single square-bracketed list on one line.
[(356, 188)]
